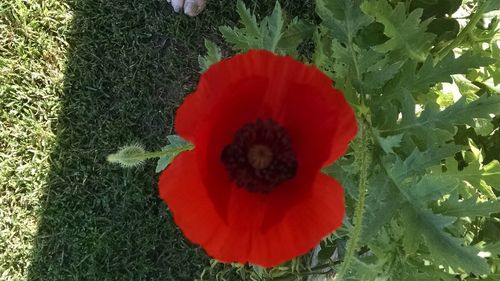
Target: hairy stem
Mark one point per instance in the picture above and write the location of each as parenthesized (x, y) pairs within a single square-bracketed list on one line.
[(352, 244), (157, 154)]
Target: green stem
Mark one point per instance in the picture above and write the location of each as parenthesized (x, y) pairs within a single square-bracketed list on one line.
[(352, 244), (461, 36), (133, 155), (158, 154)]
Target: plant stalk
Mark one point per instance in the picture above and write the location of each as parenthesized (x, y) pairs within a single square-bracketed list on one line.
[(461, 36), (352, 244)]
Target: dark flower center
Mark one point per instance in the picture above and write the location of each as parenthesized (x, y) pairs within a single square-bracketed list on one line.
[(260, 156)]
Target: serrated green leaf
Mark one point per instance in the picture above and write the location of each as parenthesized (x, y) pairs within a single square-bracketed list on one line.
[(239, 39), (343, 68), (346, 173), (295, 33), (435, 126), (430, 188), (342, 17), (380, 73), (341, 55), (430, 74), (248, 20), (175, 142), (366, 271), (213, 55), (469, 207), (475, 173), (275, 28), (250, 36), (382, 203), (270, 33), (389, 142), (461, 112), (433, 273), (322, 50), (397, 88), (410, 240), (418, 161), (406, 33), (444, 248)]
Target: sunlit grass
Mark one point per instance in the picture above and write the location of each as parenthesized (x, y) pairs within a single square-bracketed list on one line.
[(32, 59)]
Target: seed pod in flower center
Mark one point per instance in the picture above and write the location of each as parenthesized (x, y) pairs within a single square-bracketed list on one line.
[(260, 157)]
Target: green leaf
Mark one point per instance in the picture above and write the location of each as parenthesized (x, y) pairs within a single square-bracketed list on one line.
[(490, 5), (418, 161), (247, 19), (213, 55), (275, 28), (445, 28), (365, 271), (406, 33), (430, 74), (326, 252), (382, 203), (322, 51), (371, 35), (493, 248), (470, 207), (475, 173), (346, 172), (430, 188), (444, 248), (461, 112), (270, 33), (435, 126), (248, 37), (343, 68), (381, 72), (343, 17), (295, 33), (175, 142), (239, 39), (389, 142)]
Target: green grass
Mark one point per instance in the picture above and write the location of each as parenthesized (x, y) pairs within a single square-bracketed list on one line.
[(78, 79)]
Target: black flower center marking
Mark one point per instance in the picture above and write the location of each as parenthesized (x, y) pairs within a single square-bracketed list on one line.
[(260, 156)]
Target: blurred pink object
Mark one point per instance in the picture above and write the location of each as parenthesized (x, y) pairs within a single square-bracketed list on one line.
[(189, 7)]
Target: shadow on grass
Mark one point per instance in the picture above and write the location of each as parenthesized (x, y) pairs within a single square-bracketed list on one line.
[(129, 64)]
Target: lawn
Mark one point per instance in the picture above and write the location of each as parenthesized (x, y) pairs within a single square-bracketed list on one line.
[(78, 79)]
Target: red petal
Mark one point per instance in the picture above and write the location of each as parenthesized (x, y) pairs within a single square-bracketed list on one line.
[(221, 81), (259, 84), (242, 239), (303, 226)]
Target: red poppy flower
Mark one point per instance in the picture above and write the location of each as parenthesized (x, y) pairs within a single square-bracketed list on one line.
[(251, 191)]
